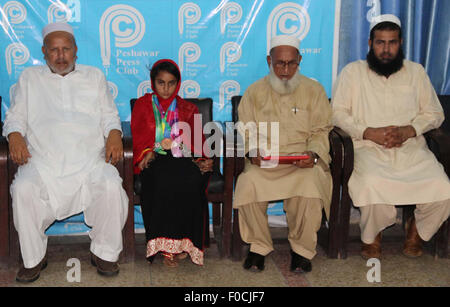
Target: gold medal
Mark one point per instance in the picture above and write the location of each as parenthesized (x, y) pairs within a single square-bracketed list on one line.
[(166, 143)]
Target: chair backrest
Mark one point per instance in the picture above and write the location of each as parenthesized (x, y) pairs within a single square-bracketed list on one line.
[(132, 102), (445, 102), (205, 107), (235, 100)]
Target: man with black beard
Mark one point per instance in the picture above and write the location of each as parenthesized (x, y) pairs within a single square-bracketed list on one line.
[(385, 104), (300, 107)]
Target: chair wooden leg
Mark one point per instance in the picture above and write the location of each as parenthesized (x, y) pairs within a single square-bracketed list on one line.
[(408, 212), (238, 244), (216, 215), (334, 234), (441, 244), (128, 236), (217, 227), (227, 212), (346, 202)]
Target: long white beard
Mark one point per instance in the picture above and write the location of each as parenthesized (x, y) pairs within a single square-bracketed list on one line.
[(283, 87)]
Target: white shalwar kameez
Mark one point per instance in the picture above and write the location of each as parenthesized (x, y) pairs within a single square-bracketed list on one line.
[(65, 122)]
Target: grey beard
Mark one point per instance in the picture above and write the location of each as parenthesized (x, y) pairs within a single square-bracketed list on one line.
[(283, 87)]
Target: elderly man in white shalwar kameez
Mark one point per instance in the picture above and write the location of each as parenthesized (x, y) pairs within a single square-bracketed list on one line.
[(386, 103), (300, 106), (63, 128)]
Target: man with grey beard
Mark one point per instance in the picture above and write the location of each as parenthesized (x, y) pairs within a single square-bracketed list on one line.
[(386, 104), (64, 132), (300, 107)]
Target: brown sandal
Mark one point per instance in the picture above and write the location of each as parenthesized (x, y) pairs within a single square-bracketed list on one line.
[(170, 263), (181, 256)]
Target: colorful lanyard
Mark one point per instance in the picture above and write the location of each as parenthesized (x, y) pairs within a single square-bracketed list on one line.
[(164, 124)]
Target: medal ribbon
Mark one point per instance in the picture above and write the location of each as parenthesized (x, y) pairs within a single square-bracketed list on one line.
[(166, 124)]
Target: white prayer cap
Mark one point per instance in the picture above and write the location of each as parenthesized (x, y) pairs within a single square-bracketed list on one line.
[(57, 26), (285, 40), (383, 18)]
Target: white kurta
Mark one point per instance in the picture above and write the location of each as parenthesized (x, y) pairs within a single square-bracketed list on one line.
[(65, 121), (409, 174)]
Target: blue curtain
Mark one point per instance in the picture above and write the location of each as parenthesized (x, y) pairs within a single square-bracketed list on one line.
[(426, 33)]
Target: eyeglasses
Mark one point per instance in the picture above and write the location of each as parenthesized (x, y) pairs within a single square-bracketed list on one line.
[(283, 64)]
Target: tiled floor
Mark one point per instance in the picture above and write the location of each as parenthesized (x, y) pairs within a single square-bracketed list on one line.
[(396, 270)]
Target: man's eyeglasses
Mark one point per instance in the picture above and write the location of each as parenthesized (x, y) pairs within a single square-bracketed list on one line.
[(282, 64)]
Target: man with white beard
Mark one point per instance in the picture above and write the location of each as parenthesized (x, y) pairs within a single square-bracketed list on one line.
[(300, 106)]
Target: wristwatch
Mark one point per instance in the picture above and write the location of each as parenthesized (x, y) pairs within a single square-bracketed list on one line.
[(316, 158)]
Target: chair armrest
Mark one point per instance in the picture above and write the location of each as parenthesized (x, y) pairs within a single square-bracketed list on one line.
[(348, 154), (439, 142), (127, 172), (4, 198), (3, 151), (336, 148), (127, 141)]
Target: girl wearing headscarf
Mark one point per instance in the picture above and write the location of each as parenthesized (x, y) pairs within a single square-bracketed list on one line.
[(174, 179)]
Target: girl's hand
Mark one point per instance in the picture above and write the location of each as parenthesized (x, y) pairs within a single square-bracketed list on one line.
[(149, 157), (205, 165)]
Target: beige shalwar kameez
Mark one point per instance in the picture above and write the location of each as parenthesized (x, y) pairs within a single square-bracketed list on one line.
[(304, 119), (404, 175)]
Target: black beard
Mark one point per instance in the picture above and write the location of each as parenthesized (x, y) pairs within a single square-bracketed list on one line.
[(385, 69)]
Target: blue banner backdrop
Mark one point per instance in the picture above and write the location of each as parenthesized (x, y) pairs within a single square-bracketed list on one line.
[(220, 46)]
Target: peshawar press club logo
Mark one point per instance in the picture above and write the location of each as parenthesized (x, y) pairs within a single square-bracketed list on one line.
[(190, 89), (17, 54), (13, 12), (189, 13), (143, 88), (64, 12), (229, 53), (228, 89), (288, 18), (231, 13), (188, 53), (125, 24)]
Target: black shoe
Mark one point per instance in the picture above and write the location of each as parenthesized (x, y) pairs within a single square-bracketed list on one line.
[(301, 262), (254, 262)]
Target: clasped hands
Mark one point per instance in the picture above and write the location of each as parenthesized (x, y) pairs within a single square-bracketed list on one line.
[(19, 152), (391, 136)]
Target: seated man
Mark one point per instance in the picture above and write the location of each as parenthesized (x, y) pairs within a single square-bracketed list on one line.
[(63, 128), (385, 104), (300, 106)]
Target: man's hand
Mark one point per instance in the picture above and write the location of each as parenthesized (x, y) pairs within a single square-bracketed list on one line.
[(376, 135), (255, 160), (114, 147), (396, 136), (391, 136), (308, 163), (18, 148)]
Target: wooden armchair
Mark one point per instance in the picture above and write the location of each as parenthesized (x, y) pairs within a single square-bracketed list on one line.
[(220, 188), (329, 236), (438, 141), (9, 243)]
